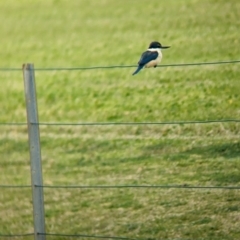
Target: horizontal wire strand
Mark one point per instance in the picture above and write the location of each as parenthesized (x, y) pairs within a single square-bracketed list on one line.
[(15, 186), (139, 123), (111, 237), (15, 235), (13, 123), (122, 123), (87, 236), (139, 186), (122, 66), (123, 186)]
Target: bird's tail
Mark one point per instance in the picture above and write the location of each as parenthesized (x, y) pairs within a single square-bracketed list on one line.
[(138, 69)]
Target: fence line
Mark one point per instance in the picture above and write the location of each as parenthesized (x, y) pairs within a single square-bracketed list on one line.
[(123, 66), (81, 236), (73, 235), (184, 186), (13, 124), (40, 187), (141, 186), (87, 236), (117, 238), (138, 123), (15, 186), (124, 123), (16, 235)]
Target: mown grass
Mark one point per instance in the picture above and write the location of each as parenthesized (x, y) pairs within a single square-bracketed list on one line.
[(103, 33)]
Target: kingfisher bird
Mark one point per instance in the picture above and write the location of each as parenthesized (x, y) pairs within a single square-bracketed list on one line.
[(151, 57)]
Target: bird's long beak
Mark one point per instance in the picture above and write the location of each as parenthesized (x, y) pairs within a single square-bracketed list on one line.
[(165, 47)]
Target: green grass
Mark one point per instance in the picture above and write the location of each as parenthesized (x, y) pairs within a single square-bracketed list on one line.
[(104, 33)]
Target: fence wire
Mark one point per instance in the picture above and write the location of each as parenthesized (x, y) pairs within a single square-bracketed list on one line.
[(15, 186), (184, 186), (123, 123), (114, 237), (87, 236), (114, 123), (16, 235), (138, 123), (77, 236), (123, 66)]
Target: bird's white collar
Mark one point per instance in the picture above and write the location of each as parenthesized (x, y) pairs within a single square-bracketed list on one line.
[(154, 49)]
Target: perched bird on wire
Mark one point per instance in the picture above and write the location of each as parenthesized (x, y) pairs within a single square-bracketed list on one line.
[(151, 57)]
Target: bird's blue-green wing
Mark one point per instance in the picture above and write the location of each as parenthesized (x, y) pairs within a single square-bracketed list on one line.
[(147, 57)]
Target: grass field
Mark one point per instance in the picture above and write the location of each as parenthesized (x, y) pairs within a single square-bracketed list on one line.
[(105, 33)]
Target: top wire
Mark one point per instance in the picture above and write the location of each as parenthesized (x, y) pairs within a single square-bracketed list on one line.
[(122, 66)]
